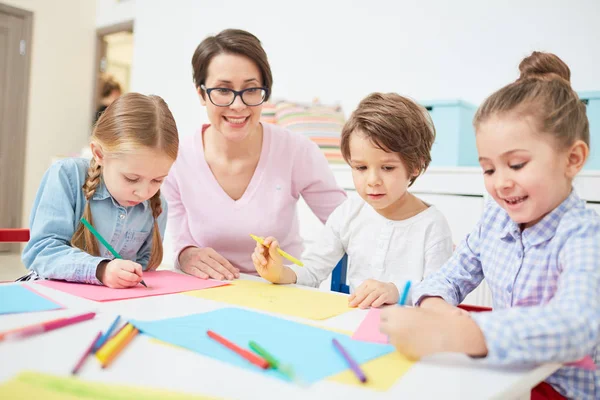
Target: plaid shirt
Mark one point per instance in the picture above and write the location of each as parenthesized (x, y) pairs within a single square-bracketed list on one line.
[(545, 283)]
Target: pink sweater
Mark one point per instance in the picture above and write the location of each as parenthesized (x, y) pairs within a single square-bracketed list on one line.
[(201, 214)]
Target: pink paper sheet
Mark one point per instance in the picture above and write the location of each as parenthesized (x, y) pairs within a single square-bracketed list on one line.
[(368, 330), (585, 363), (159, 282)]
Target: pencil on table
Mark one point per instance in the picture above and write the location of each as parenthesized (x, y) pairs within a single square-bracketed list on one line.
[(106, 335), (45, 326), (120, 345), (351, 363), (84, 356), (253, 358)]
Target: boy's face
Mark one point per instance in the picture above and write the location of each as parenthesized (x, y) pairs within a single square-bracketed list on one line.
[(523, 170), (380, 177)]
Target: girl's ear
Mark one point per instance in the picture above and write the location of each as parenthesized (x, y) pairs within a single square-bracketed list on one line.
[(97, 153), (577, 154)]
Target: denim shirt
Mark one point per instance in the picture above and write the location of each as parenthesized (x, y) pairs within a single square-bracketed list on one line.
[(55, 216)]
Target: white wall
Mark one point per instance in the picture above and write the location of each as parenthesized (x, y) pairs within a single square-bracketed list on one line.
[(112, 12), (342, 50), (60, 85)]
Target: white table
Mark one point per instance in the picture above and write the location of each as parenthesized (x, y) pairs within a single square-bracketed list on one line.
[(148, 364)]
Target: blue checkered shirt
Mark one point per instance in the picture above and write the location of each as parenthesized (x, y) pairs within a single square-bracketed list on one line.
[(545, 283)]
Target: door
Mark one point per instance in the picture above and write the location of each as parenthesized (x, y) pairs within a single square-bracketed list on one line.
[(15, 34)]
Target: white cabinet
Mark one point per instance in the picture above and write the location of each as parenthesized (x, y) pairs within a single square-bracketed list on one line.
[(461, 212), (595, 207)]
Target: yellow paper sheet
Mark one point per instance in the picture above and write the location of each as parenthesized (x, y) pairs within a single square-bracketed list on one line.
[(381, 372), (33, 385), (279, 299)]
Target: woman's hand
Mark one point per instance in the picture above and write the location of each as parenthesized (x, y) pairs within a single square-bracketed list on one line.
[(206, 263), (119, 274), (372, 293)]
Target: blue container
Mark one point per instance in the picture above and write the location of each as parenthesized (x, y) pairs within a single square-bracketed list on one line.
[(455, 137), (592, 101)]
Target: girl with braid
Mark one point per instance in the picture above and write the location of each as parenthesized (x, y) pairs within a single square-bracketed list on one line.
[(134, 144)]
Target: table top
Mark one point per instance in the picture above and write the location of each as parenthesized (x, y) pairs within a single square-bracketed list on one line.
[(147, 364)]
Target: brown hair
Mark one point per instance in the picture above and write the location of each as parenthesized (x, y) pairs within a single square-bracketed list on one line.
[(131, 121), (395, 124), (543, 91), (231, 41), (108, 85)]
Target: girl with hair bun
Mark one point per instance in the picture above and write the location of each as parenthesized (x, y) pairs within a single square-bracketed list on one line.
[(536, 245)]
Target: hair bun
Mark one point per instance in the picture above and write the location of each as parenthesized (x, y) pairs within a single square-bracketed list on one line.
[(545, 66)]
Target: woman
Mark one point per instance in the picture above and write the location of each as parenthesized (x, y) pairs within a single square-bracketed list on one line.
[(227, 173)]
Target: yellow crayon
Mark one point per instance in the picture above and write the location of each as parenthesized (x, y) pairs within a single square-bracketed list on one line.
[(283, 253)]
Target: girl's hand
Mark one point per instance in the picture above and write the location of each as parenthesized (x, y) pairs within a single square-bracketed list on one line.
[(119, 274), (267, 260), (372, 293), (439, 305), (206, 263), (417, 333)]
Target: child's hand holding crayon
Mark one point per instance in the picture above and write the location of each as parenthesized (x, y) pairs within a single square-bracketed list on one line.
[(405, 327), (267, 260), (119, 273), (372, 293)]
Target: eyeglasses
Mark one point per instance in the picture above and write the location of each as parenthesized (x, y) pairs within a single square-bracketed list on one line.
[(224, 97)]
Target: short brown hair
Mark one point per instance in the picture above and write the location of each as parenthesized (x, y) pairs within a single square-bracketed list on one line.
[(231, 41), (543, 91), (109, 84), (395, 124)]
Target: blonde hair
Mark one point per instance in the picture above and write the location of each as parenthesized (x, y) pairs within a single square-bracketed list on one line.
[(131, 121), (395, 124), (543, 91)]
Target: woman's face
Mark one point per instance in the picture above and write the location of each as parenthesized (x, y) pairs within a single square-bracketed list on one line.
[(236, 121)]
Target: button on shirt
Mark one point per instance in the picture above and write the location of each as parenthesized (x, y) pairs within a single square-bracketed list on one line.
[(56, 213), (377, 248), (545, 284)]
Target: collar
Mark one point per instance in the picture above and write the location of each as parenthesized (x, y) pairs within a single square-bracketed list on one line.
[(545, 229)]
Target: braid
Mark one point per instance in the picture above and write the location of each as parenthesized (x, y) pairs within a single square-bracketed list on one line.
[(156, 253), (92, 179), (83, 238)]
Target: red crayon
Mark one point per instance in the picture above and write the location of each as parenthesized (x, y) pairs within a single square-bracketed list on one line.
[(248, 355)]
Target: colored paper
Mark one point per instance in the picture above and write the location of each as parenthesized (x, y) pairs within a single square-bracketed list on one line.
[(381, 372), (585, 363), (21, 299), (281, 299), (159, 282), (308, 350), (369, 328), (33, 385)]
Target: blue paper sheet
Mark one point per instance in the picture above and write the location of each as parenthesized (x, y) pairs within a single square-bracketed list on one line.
[(19, 299), (308, 350)]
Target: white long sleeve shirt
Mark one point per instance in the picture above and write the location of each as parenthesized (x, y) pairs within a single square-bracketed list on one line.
[(377, 248)]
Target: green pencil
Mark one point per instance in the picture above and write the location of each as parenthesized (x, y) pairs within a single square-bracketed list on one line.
[(104, 242), (275, 364)]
